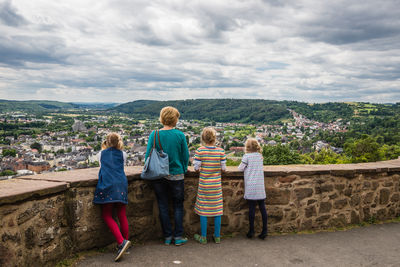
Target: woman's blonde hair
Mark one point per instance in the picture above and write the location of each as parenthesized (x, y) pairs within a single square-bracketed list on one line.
[(208, 136), (252, 146), (113, 140), (169, 116)]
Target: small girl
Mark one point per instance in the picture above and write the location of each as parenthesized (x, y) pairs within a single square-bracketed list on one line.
[(252, 165), (112, 190), (209, 160)]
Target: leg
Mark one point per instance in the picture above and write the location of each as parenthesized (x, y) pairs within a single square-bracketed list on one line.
[(112, 225), (203, 226), (261, 205), (177, 189), (252, 211), (217, 226), (123, 221), (161, 190)]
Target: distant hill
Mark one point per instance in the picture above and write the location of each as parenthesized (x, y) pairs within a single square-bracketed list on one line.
[(43, 106), (257, 110), (34, 106), (220, 110)]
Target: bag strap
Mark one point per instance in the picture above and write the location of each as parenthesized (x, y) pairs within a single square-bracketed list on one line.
[(155, 136), (159, 142)]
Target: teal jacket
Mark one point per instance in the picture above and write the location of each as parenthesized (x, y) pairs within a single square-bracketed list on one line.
[(174, 144)]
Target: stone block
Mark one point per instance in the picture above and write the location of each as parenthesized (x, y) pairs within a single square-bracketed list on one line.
[(277, 196), (325, 207), (340, 203), (288, 179), (306, 225), (355, 218), (395, 197), (381, 214), (333, 196), (355, 200), (348, 191), (310, 211), (340, 187), (322, 219), (275, 215), (326, 188), (338, 221), (384, 194), (302, 193), (368, 198)]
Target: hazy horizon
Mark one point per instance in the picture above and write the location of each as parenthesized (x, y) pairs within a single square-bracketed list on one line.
[(121, 51)]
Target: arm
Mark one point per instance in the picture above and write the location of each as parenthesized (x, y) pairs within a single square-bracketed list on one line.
[(197, 161), (149, 145), (185, 153), (223, 161), (243, 164), (125, 156)]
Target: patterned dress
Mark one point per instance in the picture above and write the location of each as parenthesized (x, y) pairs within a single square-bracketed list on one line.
[(209, 194), (252, 165)]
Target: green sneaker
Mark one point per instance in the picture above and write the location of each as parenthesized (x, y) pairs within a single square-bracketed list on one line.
[(179, 241), (217, 240), (168, 240), (200, 239)]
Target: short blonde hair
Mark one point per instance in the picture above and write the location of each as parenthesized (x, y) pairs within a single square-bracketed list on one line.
[(252, 146), (169, 116), (114, 140), (208, 136)]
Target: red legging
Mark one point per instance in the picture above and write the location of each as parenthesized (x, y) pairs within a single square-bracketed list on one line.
[(112, 225)]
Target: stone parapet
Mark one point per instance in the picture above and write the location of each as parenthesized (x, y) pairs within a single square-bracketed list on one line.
[(47, 217)]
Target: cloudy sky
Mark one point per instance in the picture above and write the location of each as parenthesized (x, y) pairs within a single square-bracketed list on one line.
[(125, 50)]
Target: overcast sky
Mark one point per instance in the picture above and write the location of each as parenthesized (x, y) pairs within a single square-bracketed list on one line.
[(125, 50)]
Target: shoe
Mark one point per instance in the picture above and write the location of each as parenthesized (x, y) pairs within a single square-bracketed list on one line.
[(122, 248), (167, 241), (250, 234), (217, 240), (200, 239), (179, 241), (262, 236)]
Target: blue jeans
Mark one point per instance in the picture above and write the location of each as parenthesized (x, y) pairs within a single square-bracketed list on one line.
[(163, 188)]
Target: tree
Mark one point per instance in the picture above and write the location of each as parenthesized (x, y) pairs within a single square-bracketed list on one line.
[(365, 149), (9, 152), (37, 146), (280, 155)]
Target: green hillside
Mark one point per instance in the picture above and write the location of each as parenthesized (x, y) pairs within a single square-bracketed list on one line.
[(257, 110), (34, 106), (220, 110)]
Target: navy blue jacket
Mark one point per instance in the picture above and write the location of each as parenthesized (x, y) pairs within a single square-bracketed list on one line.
[(112, 185)]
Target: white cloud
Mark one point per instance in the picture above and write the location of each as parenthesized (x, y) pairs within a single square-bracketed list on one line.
[(313, 51)]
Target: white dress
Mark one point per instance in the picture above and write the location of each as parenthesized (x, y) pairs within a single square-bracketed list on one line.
[(252, 165)]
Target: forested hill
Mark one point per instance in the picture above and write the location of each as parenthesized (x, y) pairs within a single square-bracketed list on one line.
[(34, 106), (220, 110), (257, 110)]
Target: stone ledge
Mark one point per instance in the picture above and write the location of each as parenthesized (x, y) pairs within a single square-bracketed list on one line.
[(21, 188), (14, 190)]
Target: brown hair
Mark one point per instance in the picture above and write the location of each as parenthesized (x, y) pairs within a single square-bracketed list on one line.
[(114, 140), (252, 146), (169, 116), (208, 136)]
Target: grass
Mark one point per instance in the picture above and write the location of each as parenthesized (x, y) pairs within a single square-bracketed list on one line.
[(74, 259)]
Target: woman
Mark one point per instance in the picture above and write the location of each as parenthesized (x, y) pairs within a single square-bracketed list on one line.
[(174, 144)]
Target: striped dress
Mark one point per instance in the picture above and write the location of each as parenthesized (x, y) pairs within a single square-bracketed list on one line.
[(252, 165), (209, 194)]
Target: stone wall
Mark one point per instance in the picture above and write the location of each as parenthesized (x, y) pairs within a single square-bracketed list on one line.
[(47, 217)]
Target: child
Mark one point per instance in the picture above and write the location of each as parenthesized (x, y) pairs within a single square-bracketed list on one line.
[(254, 189), (112, 190), (209, 160)]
